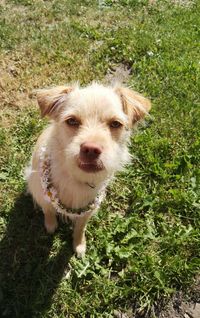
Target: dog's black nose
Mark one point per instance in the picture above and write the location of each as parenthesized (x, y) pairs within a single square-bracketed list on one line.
[(90, 151)]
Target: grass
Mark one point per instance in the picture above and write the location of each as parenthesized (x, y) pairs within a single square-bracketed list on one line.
[(143, 246)]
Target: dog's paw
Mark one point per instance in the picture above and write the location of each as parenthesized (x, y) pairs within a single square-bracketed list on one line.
[(51, 226), (80, 250)]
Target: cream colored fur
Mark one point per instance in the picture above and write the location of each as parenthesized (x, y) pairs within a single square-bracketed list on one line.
[(95, 107)]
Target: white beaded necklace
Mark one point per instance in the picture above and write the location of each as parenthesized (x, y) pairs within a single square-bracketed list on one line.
[(51, 194)]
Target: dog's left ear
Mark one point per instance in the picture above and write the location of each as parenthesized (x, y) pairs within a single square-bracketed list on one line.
[(50, 100), (134, 105)]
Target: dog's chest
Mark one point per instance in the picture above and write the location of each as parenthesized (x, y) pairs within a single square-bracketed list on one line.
[(74, 195)]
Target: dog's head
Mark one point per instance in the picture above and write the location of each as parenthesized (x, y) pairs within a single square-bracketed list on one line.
[(93, 126)]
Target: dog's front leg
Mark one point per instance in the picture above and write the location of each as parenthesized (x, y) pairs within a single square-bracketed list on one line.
[(79, 240), (50, 220)]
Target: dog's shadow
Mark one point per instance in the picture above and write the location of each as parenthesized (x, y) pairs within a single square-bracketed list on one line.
[(31, 267)]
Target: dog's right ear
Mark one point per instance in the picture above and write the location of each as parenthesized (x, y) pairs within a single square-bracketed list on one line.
[(50, 100)]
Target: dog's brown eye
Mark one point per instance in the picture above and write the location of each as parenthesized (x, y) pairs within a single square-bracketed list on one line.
[(72, 121), (115, 124)]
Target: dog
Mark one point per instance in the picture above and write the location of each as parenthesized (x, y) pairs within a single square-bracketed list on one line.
[(79, 152)]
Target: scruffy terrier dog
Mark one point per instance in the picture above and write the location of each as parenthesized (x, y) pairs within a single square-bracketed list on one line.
[(77, 155)]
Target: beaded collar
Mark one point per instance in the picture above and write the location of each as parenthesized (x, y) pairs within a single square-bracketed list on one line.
[(51, 194)]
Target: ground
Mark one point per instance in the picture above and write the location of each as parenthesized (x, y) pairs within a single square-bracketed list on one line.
[(143, 245)]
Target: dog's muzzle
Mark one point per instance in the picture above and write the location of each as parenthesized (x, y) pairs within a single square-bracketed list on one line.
[(89, 157)]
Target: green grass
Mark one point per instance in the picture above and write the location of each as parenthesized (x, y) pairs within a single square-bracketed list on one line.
[(143, 246)]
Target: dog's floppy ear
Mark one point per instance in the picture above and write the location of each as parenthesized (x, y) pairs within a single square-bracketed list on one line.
[(134, 105), (51, 99)]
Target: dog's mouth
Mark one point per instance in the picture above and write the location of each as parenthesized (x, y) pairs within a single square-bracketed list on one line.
[(90, 166)]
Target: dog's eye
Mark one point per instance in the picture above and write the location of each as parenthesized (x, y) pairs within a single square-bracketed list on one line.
[(115, 124), (72, 121)]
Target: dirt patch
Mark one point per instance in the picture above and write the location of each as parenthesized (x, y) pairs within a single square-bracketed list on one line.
[(14, 95), (118, 74), (178, 307), (11, 93), (2, 2), (185, 310)]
